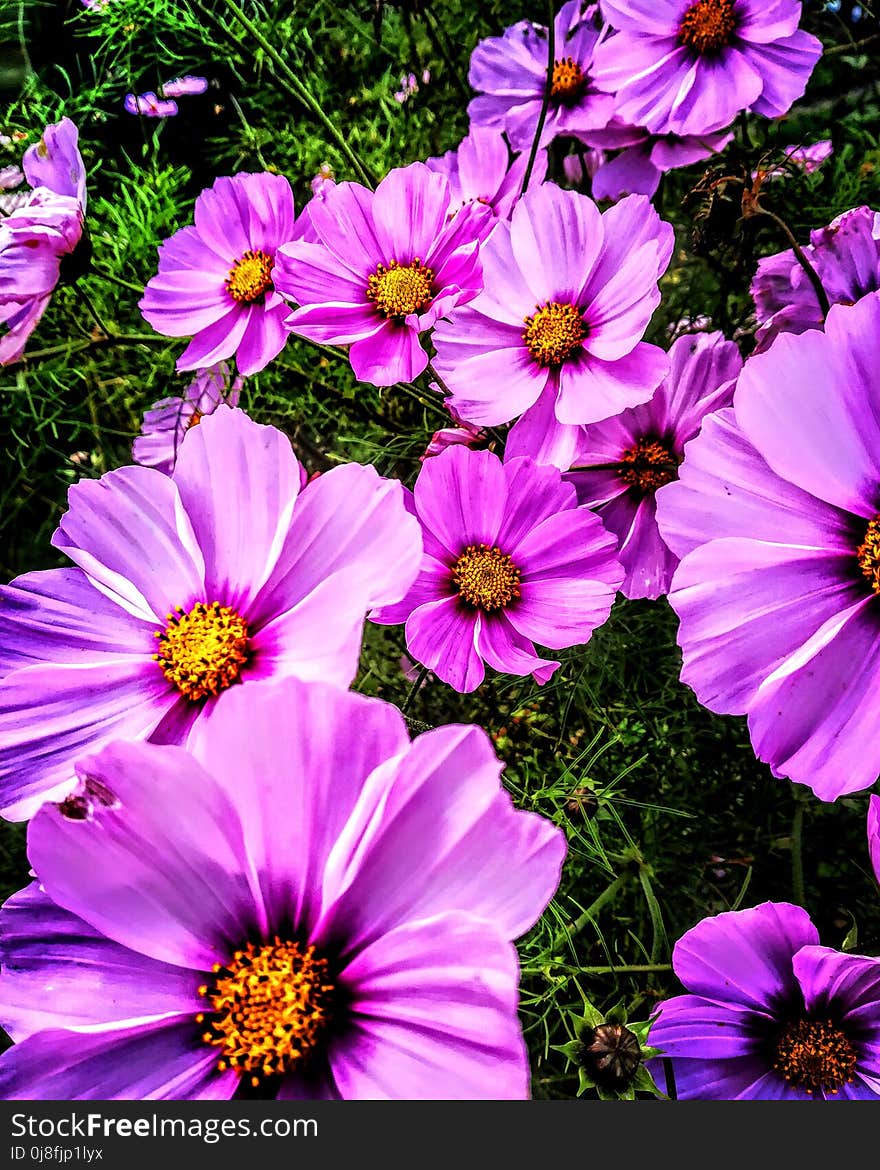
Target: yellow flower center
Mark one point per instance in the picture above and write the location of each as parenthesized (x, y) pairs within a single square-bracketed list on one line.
[(868, 554), (568, 81), (708, 25), (401, 289), (554, 332), (202, 652), (648, 465), (250, 278), (486, 578), (269, 1007), (815, 1055), (194, 419)]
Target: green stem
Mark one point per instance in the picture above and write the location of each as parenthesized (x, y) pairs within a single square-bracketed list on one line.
[(659, 942), (797, 858), (69, 347), (289, 81), (573, 928), (105, 275), (89, 304), (545, 103), (438, 36), (801, 257), (414, 690), (626, 969)]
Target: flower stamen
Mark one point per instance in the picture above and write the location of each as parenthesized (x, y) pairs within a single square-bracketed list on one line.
[(486, 578), (401, 289), (250, 277), (868, 554), (568, 82), (648, 464), (708, 26), (815, 1055), (269, 1007), (202, 652), (554, 332)]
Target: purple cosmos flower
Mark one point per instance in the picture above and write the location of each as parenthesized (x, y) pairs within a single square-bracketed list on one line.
[(168, 421), (510, 560), (149, 105), (510, 74), (216, 278), (639, 450), (41, 229), (386, 265), (775, 517), (556, 334), (322, 181), (770, 1014), (645, 157), (462, 435), (480, 169), (689, 66), (804, 158), (219, 574), (874, 834), (184, 87), (11, 177), (579, 168), (846, 257), (329, 912)]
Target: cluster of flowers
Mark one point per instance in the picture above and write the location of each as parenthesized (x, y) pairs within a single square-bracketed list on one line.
[(196, 656)]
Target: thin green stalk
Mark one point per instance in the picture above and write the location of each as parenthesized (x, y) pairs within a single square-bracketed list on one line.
[(659, 941), (801, 257), (105, 275), (414, 690), (441, 43), (545, 103), (573, 928), (797, 857), (39, 355), (626, 969), (289, 81), (89, 304)]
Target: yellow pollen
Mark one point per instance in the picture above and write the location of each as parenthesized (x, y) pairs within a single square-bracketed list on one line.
[(401, 289), (568, 81), (269, 1007), (554, 332), (202, 652), (194, 419), (486, 578), (250, 278), (815, 1055), (648, 465), (868, 554), (708, 25)]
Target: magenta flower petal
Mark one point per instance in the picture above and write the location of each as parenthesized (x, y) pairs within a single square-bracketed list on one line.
[(53, 714), (443, 638), (111, 879), (504, 648), (432, 1009), (449, 778), (539, 435), (393, 354), (723, 1032), (874, 834), (461, 500), (55, 162), (140, 1062), (60, 973), (166, 424)]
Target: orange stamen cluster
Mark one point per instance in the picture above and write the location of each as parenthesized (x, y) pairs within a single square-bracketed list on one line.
[(269, 1007), (568, 82), (816, 1056), (648, 465), (250, 278), (401, 289), (708, 25), (554, 332), (868, 554), (486, 578), (202, 652)]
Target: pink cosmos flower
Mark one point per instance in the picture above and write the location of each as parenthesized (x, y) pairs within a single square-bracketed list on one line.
[(644, 158), (555, 336), (222, 573), (775, 518), (510, 560), (41, 229), (689, 66), (846, 258), (11, 177), (639, 451), (184, 87), (510, 74), (480, 169), (307, 906), (322, 181), (149, 105), (804, 158), (216, 278), (386, 266), (167, 423)]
